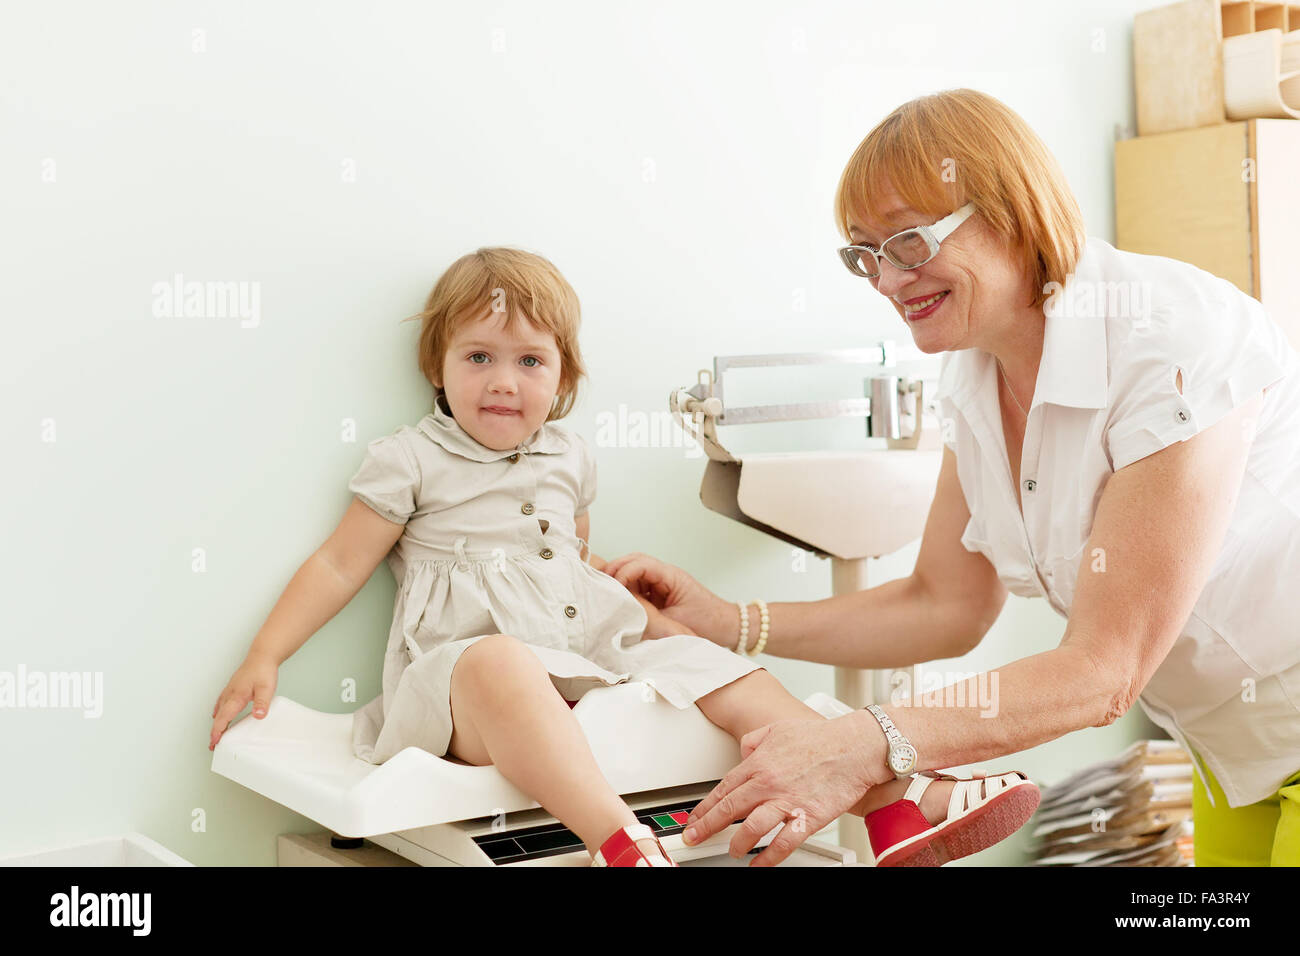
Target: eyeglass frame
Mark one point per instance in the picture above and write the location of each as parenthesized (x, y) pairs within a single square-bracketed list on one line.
[(933, 236)]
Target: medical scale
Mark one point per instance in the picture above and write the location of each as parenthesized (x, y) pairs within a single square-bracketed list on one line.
[(439, 811)]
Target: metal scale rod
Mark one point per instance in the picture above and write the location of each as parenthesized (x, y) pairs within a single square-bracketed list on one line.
[(880, 407)]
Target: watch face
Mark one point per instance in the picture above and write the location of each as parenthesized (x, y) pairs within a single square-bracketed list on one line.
[(902, 758)]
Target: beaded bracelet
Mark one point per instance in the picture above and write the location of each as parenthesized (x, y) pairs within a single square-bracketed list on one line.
[(762, 630), (744, 629)]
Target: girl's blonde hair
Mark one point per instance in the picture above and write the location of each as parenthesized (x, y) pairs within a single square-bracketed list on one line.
[(516, 283), (946, 149)]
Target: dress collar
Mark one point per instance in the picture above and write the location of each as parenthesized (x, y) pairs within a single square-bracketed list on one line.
[(446, 431), (1073, 367)]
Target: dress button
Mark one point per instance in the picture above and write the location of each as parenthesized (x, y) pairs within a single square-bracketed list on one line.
[(514, 457), (1181, 415), (546, 552), (571, 610), (527, 509), (1030, 484)]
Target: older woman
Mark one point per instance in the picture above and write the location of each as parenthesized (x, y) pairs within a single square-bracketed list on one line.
[(1122, 437)]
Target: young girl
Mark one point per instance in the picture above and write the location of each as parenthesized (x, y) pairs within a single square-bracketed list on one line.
[(500, 624)]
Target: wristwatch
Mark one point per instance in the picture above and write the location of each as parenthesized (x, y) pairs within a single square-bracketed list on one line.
[(902, 755)]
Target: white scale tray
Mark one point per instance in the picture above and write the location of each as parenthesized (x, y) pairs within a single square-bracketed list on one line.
[(302, 759)]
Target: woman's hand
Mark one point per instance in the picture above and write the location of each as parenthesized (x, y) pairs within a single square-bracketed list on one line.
[(659, 624), (678, 595), (255, 681), (804, 773)]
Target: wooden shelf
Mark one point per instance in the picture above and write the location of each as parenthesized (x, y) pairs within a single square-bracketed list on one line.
[(1178, 58), (1225, 198)]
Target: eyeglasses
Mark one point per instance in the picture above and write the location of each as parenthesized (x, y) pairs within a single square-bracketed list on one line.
[(905, 250)]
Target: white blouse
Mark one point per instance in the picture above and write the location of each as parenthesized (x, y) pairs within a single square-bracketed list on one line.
[(1115, 339)]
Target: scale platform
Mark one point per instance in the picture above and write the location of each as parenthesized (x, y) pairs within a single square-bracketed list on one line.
[(438, 811)]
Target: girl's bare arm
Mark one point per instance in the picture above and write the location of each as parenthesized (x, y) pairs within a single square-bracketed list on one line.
[(322, 586), (326, 582)]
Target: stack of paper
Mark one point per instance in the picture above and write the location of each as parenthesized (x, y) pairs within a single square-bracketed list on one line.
[(1133, 810)]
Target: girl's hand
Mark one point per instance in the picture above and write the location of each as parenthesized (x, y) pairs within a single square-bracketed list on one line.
[(255, 681), (682, 599)]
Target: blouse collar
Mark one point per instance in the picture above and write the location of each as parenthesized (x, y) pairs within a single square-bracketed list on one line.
[(1073, 368), (447, 432)]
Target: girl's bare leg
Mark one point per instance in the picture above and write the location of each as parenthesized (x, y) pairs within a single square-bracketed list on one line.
[(506, 711), (758, 699)]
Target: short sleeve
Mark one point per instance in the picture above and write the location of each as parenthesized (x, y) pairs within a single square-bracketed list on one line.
[(587, 479), (1224, 343), (388, 479)]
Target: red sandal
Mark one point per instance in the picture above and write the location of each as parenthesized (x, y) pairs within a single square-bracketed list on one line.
[(621, 849), (981, 812)]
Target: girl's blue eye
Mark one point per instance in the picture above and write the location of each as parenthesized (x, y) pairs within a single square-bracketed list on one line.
[(527, 358)]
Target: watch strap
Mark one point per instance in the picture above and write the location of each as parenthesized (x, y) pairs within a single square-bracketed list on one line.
[(895, 738)]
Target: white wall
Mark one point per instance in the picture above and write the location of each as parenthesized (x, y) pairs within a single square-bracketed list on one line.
[(677, 161)]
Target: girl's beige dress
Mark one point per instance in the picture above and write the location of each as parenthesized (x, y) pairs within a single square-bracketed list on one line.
[(490, 547)]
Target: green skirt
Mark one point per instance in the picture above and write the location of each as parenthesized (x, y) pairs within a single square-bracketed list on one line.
[(1266, 833)]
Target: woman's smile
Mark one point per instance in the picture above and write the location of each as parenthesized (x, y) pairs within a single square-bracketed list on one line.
[(923, 306)]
